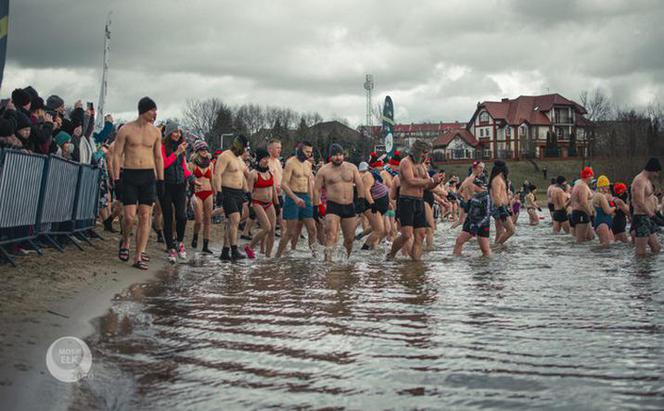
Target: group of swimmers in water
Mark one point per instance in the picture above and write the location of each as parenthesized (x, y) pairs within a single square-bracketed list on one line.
[(394, 202)]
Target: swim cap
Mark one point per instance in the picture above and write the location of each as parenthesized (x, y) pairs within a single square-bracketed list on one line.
[(619, 188), (602, 181), (364, 166), (587, 173)]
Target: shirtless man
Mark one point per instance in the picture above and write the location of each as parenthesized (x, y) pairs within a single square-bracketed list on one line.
[(549, 200), (296, 184), (467, 188), (138, 148), (560, 200), (581, 207), (274, 164), (501, 202), (414, 179), (339, 178), (377, 203), (643, 228), (229, 179)]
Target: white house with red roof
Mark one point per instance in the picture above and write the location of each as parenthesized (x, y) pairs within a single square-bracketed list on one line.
[(514, 129), (455, 144)]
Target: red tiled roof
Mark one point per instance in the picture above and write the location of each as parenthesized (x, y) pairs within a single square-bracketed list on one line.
[(522, 109), (446, 138)]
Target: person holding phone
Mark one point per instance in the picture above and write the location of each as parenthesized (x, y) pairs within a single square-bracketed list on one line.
[(174, 198)]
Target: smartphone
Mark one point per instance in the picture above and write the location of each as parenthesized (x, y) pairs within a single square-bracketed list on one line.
[(90, 105)]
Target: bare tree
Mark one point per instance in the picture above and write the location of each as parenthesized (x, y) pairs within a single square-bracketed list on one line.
[(200, 115), (596, 104)]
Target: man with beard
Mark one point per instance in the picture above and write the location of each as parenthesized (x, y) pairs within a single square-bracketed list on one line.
[(296, 185), (337, 178), (501, 201), (230, 181), (138, 148), (414, 179)]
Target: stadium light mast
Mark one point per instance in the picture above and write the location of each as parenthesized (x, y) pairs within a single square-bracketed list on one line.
[(104, 73), (368, 87)]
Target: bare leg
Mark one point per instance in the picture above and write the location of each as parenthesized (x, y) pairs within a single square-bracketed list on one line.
[(264, 221), (128, 224), (416, 251), (404, 237), (143, 230), (291, 229), (484, 246), (310, 224), (332, 222), (462, 239), (348, 229), (207, 218)]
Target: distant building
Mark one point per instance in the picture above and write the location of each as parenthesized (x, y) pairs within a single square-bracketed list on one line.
[(455, 144), (522, 127), (406, 134)]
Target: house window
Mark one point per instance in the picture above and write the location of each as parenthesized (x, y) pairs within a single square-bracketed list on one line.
[(481, 132), (484, 117), (508, 131)]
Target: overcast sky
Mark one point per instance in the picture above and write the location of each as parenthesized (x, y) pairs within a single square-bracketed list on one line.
[(436, 58)]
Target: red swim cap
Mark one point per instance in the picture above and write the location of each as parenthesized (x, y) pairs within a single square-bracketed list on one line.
[(619, 188), (587, 172)]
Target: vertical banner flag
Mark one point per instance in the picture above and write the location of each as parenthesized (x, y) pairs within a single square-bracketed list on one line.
[(4, 29), (388, 127)]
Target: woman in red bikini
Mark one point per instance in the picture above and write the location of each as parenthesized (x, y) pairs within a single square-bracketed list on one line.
[(202, 169), (263, 200)]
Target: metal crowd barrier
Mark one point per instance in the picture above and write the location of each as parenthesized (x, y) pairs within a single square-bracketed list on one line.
[(49, 198)]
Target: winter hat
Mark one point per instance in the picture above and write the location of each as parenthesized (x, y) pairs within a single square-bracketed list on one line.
[(200, 145), (171, 127), (603, 181), (7, 127), (32, 92), (54, 102), (146, 104), (336, 149), (561, 180), (20, 97), (619, 188), (653, 165), (22, 121), (364, 166), (77, 116), (62, 137), (37, 103)]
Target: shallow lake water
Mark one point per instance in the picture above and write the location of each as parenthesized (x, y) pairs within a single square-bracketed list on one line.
[(544, 323)]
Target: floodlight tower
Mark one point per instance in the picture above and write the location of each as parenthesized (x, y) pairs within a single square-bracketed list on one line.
[(104, 73), (369, 86)]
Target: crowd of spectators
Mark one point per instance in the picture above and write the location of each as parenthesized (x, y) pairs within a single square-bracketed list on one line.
[(28, 122)]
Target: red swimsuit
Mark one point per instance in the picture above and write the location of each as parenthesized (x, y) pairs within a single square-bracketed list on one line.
[(263, 183), (208, 174)]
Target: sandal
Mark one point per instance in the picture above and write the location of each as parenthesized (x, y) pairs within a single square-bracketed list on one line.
[(123, 254), (141, 265), (145, 257)]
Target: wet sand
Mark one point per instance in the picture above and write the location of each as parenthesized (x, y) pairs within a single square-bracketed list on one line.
[(56, 295)]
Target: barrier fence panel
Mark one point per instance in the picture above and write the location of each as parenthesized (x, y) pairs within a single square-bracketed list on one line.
[(21, 176), (87, 198), (59, 194)]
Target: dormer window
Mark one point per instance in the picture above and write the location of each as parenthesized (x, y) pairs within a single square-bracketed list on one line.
[(484, 117)]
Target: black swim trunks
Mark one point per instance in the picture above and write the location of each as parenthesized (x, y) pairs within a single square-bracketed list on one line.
[(642, 226), (501, 213), (382, 204), (428, 197), (138, 186), (560, 216), (619, 223), (579, 217), (232, 200), (552, 207), (341, 210), (481, 230), (411, 212)]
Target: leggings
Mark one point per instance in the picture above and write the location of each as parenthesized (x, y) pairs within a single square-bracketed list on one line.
[(174, 198)]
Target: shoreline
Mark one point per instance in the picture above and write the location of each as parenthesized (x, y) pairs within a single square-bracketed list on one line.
[(56, 295)]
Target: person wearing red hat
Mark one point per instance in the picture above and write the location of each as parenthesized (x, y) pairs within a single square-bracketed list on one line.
[(622, 210), (581, 207), (643, 194)]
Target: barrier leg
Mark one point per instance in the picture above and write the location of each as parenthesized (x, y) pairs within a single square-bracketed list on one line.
[(73, 241), (7, 256), (96, 235), (80, 235), (54, 243), (35, 247)]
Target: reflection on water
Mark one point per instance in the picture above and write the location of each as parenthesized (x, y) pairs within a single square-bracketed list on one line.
[(544, 323)]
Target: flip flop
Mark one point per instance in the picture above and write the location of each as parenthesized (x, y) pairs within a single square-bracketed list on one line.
[(141, 265), (123, 254)]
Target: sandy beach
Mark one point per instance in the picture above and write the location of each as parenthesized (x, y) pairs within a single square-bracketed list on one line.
[(56, 295)]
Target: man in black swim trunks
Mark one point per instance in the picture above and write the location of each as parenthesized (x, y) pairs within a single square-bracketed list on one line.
[(643, 228), (413, 180), (560, 201), (501, 202), (229, 179), (138, 149), (581, 207), (338, 178)]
